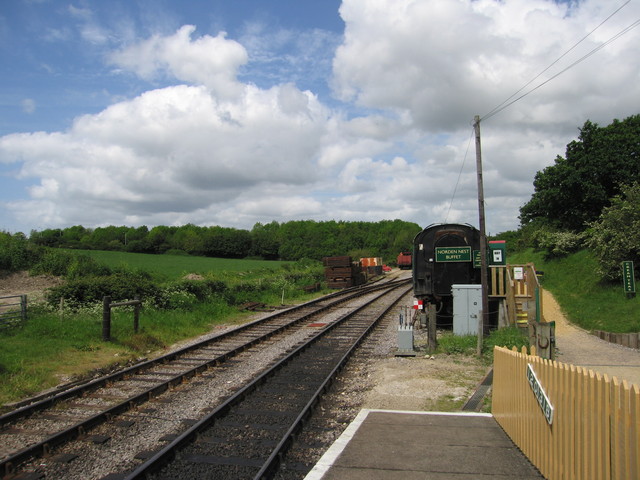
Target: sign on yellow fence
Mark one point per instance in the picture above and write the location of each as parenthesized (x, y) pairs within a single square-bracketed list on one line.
[(540, 394), (596, 420)]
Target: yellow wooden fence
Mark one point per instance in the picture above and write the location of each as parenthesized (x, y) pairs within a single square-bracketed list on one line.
[(516, 286), (595, 428)]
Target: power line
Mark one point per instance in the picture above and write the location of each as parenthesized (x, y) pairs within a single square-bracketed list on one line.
[(455, 188), (505, 105)]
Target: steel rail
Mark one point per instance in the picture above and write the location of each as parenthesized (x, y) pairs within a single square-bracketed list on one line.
[(48, 400), (271, 465), (79, 429), (165, 454)]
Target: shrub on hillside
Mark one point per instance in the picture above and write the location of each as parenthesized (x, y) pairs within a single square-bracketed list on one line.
[(615, 237), (16, 253), (557, 244), (65, 264), (184, 293), (121, 286)]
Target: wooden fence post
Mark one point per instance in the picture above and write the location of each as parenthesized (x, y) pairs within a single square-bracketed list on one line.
[(136, 314), (106, 319), (432, 327), (23, 307)]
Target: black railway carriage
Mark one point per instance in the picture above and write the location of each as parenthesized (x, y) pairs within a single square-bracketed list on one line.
[(443, 255)]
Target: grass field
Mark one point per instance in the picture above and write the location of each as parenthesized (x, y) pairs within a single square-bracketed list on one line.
[(57, 345), (172, 267)]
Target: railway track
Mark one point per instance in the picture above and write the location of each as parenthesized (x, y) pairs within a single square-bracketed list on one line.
[(248, 435), (35, 438)]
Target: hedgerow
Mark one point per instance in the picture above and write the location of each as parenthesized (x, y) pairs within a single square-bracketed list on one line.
[(120, 286)]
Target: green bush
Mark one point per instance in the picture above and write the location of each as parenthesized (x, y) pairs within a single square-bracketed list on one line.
[(82, 291), (173, 298), (16, 253), (201, 289), (185, 293), (557, 244), (176, 251), (468, 344), (615, 237), (53, 262), (61, 263)]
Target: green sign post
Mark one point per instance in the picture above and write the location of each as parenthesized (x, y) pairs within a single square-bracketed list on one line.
[(628, 279), (453, 254), (477, 261)]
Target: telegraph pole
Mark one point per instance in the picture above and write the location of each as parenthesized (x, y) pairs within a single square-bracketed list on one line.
[(483, 235)]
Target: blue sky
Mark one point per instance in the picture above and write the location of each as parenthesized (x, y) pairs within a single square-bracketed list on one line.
[(236, 112), (54, 51)]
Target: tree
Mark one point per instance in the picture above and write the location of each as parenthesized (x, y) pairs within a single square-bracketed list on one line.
[(615, 236), (49, 237), (572, 192), (159, 238), (72, 236), (265, 240), (16, 253)]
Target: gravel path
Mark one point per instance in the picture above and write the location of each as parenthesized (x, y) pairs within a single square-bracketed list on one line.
[(578, 347)]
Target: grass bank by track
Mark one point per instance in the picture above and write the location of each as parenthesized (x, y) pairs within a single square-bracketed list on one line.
[(585, 300), (56, 346)]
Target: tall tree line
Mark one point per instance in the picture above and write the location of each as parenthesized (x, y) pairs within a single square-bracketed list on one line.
[(597, 167), (287, 241), (590, 198)]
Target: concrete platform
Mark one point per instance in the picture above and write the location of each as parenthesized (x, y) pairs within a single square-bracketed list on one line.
[(394, 445)]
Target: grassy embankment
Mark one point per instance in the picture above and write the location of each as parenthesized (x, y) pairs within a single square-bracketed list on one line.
[(56, 346), (584, 299)]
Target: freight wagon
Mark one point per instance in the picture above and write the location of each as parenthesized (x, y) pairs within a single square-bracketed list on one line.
[(404, 260)]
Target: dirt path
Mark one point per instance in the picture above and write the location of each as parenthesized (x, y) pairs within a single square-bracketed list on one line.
[(21, 283), (578, 347)]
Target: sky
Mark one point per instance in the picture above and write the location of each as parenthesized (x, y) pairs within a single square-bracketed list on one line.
[(232, 113)]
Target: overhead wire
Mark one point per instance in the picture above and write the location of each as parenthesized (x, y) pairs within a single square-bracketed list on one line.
[(505, 105), (615, 37), (455, 188), (495, 109)]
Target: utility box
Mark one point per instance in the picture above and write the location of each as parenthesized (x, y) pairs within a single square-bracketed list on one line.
[(467, 304), (405, 341)]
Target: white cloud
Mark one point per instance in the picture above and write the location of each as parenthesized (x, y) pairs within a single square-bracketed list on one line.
[(171, 150), (440, 63), (443, 62), (28, 105), (90, 30), (210, 61), (214, 149)]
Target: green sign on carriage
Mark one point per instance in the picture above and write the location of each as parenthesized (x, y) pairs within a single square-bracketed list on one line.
[(628, 279), (453, 254)]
